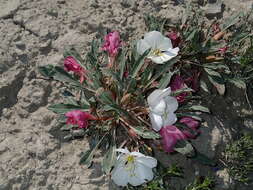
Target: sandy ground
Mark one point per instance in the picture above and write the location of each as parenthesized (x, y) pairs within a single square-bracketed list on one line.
[(36, 32)]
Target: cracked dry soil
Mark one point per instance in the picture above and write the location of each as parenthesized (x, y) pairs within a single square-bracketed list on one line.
[(36, 32)]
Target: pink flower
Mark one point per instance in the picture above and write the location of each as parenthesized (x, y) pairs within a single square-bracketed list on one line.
[(70, 64), (176, 84), (175, 39), (112, 43), (190, 122), (170, 135), (80, 118)]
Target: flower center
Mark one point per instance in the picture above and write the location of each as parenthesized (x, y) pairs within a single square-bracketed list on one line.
[(157, 52), (130, 159)]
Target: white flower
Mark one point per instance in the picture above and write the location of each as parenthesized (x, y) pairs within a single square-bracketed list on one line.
[(161, 47), (162, 108), (133, 167)]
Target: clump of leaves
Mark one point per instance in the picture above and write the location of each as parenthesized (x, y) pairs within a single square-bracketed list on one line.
[(201, 183), (220, 50), (239, 158)]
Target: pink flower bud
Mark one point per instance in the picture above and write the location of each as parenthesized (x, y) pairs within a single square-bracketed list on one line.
[(70, 64), (112, 43), (78, 117)]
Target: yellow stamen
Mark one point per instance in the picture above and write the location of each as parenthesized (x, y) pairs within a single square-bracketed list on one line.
[(157, 52), (130, 159)]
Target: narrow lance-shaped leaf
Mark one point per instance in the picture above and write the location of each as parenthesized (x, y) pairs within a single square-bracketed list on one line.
[(109, 159), (139, 63), (87, 156), (63, 108), (164, 82), (199, 108), (163, 69), (47, 71), (63, 76), (146, 133), (216, 79), (239, 83)]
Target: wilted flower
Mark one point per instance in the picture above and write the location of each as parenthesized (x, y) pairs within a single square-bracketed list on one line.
[(190, 122), (70, 64), (133, 167), (175, 38), (170, 135), (176, 84), (78, 117), (161, 47), (162, 108), (112, 43)]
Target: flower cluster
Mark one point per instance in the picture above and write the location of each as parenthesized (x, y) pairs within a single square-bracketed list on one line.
[(112, 98)]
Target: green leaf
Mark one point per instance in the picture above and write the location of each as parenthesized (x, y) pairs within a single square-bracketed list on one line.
[(177, 92), (185, 148), (106, 97), (192, 115), (47, 71), (191, 35), (163, 69), (199, 108), (63, 76), (203, 85), (139, 63), (122, 63), (86, 157), (109, 160), (216, 79), (63, 108), (239, 83), (164, 82), (215, 66), (146, 133)]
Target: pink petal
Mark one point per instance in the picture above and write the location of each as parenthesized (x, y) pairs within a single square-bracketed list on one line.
[(112, 43), (78, 117), (177, 83), (70, 64), (190, 122), (170, 136), (175, 39)]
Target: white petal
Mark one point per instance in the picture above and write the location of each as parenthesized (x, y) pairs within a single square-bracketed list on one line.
[(155, 97), (160, 108), (153, 38), (170, 53), (147, 161), (145, 172), (137, 177), (156, 121), (158, 59), (123, 150), (171, 104), (169, 119), (142, 46), (165, 44), (120, 175)]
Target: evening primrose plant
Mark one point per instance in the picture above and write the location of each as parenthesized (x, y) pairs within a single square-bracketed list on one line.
[(133, 99)]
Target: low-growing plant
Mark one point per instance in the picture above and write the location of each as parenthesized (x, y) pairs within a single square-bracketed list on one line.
[(132, 99), (239, 158)]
